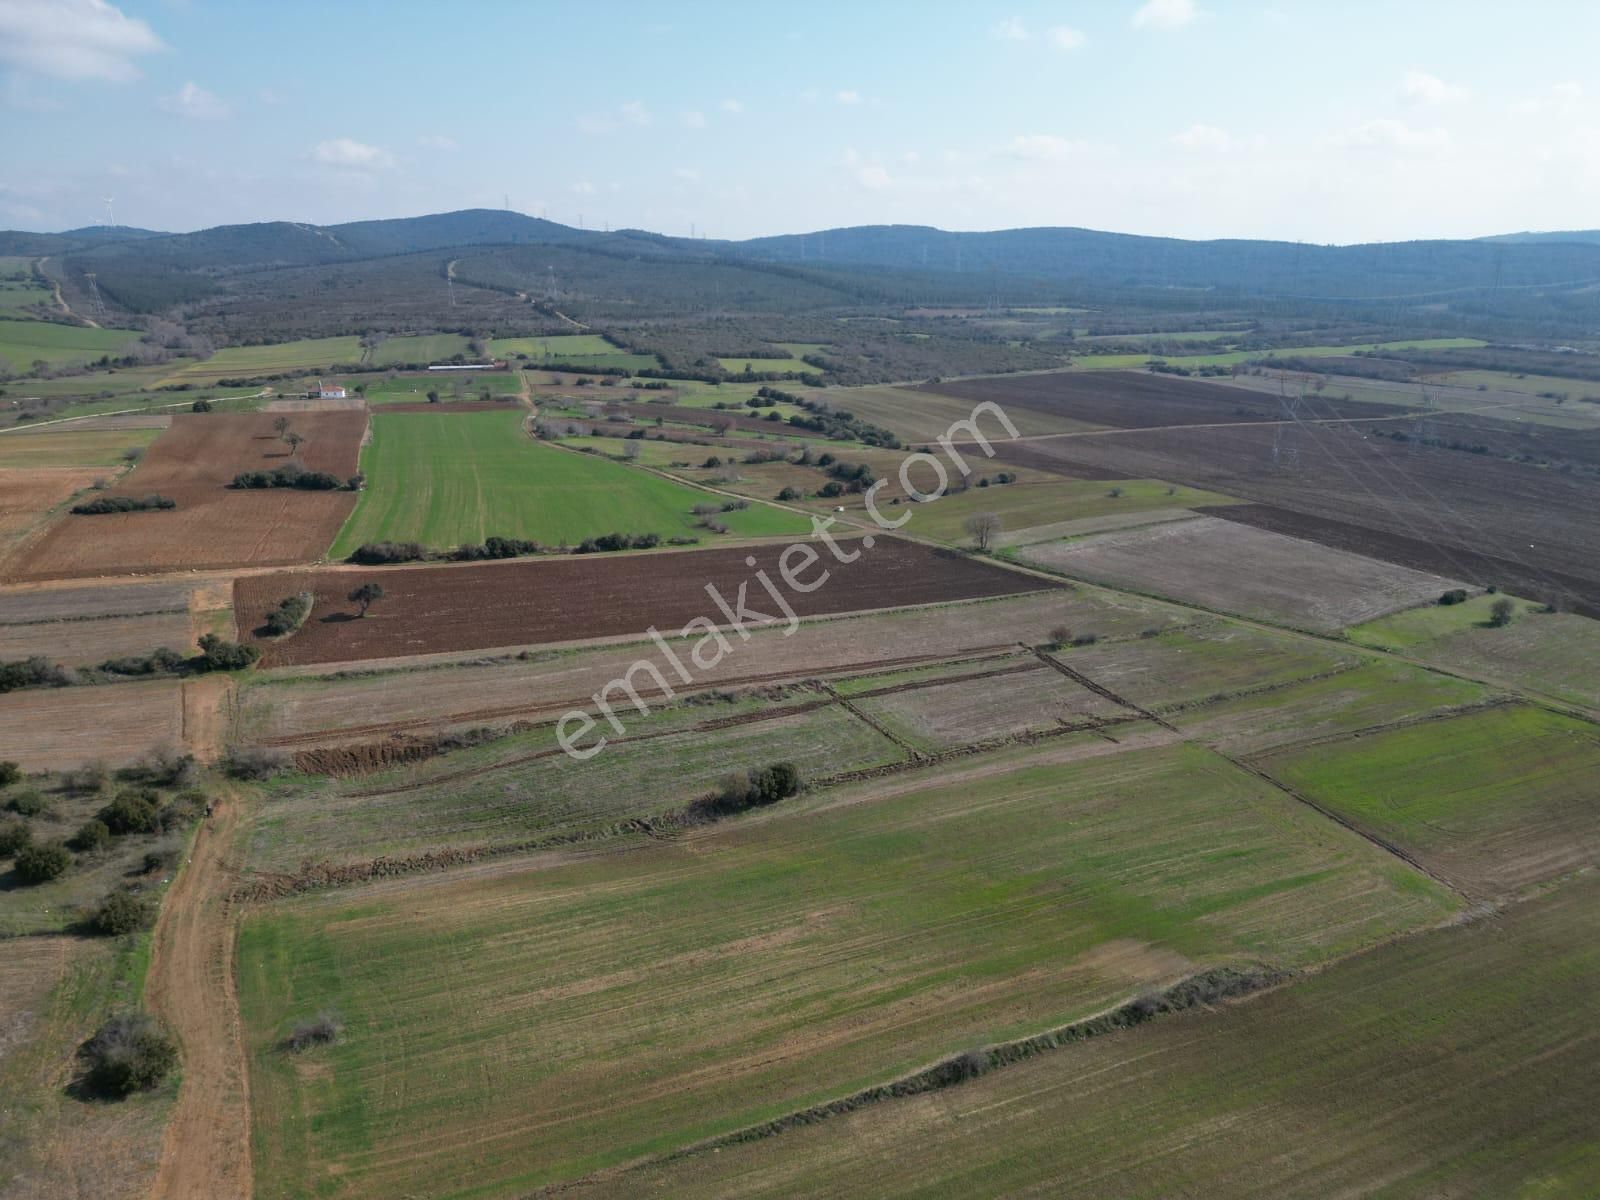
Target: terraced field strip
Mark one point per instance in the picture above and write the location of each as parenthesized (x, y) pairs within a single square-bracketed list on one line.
[(816, 951), (1419, 1068)]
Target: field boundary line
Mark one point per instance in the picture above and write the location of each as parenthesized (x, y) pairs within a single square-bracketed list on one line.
[(1104, 693)]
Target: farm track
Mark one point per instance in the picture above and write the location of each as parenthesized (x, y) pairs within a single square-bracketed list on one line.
[(206, 1152)]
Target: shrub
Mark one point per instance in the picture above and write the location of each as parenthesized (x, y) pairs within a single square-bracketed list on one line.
[(1501, 613), (200, 406), (129, 1053), (124, 504), (289, 615), (135, 810), (1085, 639), (158, 860), (219, 654), (34, 672), (15, 837), (29, 802), (120, 913), (90, 777), (10, 772), (41, 864), (1454, 596), (377, 553), (92, 835), (255, 762), (1060, 635), (183, 808), (290, 475), (320, 1030), (744, 790), (788, 493), (161, 661)]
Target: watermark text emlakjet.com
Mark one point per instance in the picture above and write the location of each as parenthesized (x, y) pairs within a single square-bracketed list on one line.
[(802, 568)]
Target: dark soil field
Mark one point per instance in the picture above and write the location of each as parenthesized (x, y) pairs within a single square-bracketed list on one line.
[(528, 602), (213, 525), (1477, 517), (1136, 399)]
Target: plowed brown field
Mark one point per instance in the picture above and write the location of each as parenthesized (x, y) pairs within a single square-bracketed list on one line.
[(213, 525), (439, 608)]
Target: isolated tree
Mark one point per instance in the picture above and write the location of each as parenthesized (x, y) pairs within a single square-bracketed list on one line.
[(294, 441), (983, 528), (631, 450), (433, 395), (365, 595), (280, 425), (1501, 612)]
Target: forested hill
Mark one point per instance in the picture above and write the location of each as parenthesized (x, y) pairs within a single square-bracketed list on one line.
[(1266, 268)]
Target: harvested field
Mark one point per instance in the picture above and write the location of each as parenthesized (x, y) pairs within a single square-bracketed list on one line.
[(1022, 507), (59, 728), (213, 525), (1083, 526), (1529, 530), (1236, 568), (1426, 1067), (523, 789), (87, 643), (1132, 399), (1200, 662), (72, 446), (533, 601), (305, 710), (921, 415), (1493, 801), (29, 495), (1026, 697), (819, 948), (1367, 697), (78, 602)]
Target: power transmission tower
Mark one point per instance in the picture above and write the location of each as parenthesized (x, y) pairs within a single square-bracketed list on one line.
[(94, 294), (111, 219)]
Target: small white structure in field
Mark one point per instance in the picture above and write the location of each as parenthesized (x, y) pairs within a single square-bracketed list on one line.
[(330, 392)]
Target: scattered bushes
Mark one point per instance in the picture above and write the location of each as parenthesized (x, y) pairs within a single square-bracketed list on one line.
[(374, 554), (123, 504), (29, 802), (120, 913), (1454, 596), (15, 837), (788, 493), (92, 836), (618, 541), (496, 547), (744, 790), (290, 614), (219, 654), (10, 772), (129, 1053), (41, 864), (321, 1030), (33, 672), (293, 475), (255, 762), (161, 661), (135, 810), (1501, 613), (1060, 635)]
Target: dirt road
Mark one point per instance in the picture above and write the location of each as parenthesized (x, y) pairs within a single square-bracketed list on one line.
[(206, 1152)]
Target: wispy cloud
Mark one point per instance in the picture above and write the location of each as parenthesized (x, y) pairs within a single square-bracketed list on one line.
[(847, 96), (73, 39), (731, 105), (1386, 132), (1423, 88), (1558, 97), (194, 102), (1204, 137), (349, 153), (1042, 147), (693, 119), (1010, 30), (873, 177), (436, 141), (1065, 37), (1165, 15), (633, 113)]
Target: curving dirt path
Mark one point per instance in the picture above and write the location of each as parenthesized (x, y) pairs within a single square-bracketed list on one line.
[(206, 1152)]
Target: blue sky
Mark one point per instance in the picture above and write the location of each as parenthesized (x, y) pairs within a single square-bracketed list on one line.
[(1320, 122)]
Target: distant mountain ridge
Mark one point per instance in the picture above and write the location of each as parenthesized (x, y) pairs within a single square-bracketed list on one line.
[(144, 271)]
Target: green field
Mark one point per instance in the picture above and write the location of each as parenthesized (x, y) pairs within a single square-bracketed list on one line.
[(631, 1003), (451, 385), (1450, 1064), (791, 366), (19, 290), (248, 362), (423, 348), (1494, 800), (61, 446), (22, 343), (574, 349), (447, 478)]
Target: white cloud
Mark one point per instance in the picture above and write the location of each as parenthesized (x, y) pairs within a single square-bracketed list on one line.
[(1558, 97), (693, 119), (1203, 137), (1165, 14), (436, 141), (873, 178), (635, 113), (632, 113), (1385, 132), (347, 152), (687, 174), (848, 96), (731, 105), (1423, 88), (1010, 30), (583, 187), (73, 39), (1065, 37), (1042, 147), (269, 96), (195, 102)]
